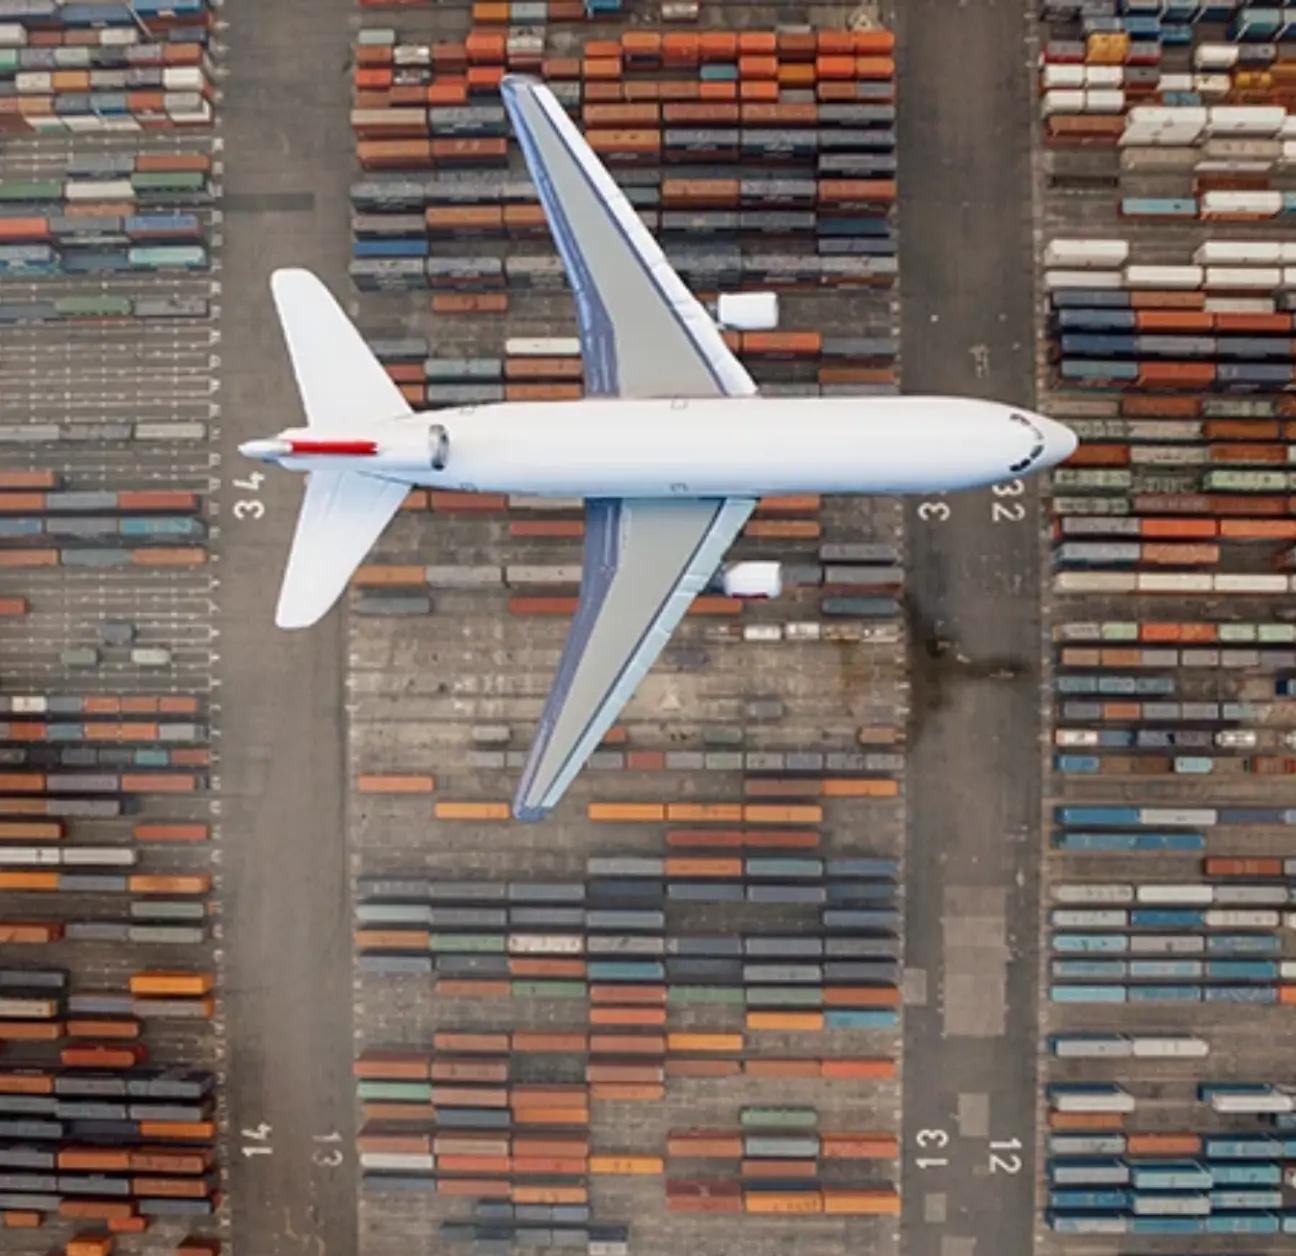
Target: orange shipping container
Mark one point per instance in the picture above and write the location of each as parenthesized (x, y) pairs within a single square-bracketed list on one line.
[(167, 982)]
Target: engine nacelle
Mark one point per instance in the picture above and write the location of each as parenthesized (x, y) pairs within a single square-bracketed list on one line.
[(753, 580), (748, 311)]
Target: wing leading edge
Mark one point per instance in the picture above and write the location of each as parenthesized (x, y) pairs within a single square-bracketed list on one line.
[(643, 333), (645, 559)]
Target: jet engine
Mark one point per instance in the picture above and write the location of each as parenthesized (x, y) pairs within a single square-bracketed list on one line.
[(753, 580), (748, 311)]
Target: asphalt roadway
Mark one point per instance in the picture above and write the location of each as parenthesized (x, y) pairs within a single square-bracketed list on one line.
[(973, 582), (287, 969)]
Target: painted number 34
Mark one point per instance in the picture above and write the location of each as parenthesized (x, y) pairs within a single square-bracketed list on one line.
[(249, 507)]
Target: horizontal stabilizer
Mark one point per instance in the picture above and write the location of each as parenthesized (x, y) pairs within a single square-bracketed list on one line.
[(343, 513)]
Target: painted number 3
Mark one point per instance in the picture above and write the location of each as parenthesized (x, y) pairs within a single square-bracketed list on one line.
[(249, 508), (933, 512)]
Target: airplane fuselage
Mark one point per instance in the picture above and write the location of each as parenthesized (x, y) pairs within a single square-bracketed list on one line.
[(730, 447)]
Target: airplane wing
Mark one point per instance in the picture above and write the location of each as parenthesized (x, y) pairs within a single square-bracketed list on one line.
[(645, 559), (643, 333)]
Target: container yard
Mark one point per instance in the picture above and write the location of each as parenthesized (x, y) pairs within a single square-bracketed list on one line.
[(1167, 136), (936, 907), (109, 238), (594, 1042)]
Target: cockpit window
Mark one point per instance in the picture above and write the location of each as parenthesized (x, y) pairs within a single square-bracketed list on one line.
[(1037, 449)]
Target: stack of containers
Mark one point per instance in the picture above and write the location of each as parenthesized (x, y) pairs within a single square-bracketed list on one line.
[(88, 1130), (654, 106), (96, 68)]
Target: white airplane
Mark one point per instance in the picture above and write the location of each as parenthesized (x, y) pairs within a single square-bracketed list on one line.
[(670, 449)]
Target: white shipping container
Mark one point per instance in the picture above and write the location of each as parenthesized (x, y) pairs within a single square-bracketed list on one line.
[(1104, 77), (1287, 967), (1246, 119), (1074, 737), (1178, 893), (34, 82), (119, 36), (1104, 892), (1055, 77), (1248, 204), (1104, 279), (1240, 583), (1093, 1101), (545, 943), (1240, 305), (27, 856), (1094, 582), (1261, 278), (1063, 100), (1104, 100), (1095, 1048), (1252, 1103), (804, 631), (190, 78), (1163, 277), (28, 1009), (12, 35), (1079, 918), (1170, 1047), (1215, 57), (100, 856), (542, 347), (762, 632), (1178, 817), (1255, 895), (1210, 84), (1239, 252), (1094, 254), (397, 1161), (28, 704), (412, 54), (1172, 582)]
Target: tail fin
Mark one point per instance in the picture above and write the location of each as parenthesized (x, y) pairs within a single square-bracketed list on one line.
[(341, 383), (342, 388)]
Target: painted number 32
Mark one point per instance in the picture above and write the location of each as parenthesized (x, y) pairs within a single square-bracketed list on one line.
[(1008, 511)]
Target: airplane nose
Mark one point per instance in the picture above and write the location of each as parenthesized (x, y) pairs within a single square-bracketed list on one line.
[(1059, 441)]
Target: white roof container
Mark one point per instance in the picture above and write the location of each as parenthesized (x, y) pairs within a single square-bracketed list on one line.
[(1109, 279), (1178, 277), (1246, 119), (1063, 100), (1243, 252), (1104, 100), (1172, 582), (1216, 56), (99, 190), (542, 347), (1177, 893), (1240, 305), (1208, 84), (1170, 1047), (1057, 77), (1238, 582), (1104, 76), (1242, 204), (1086, 254), (1255, 278), (1175, 83), (1179, 817), (12, 35), (1094, 582)]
